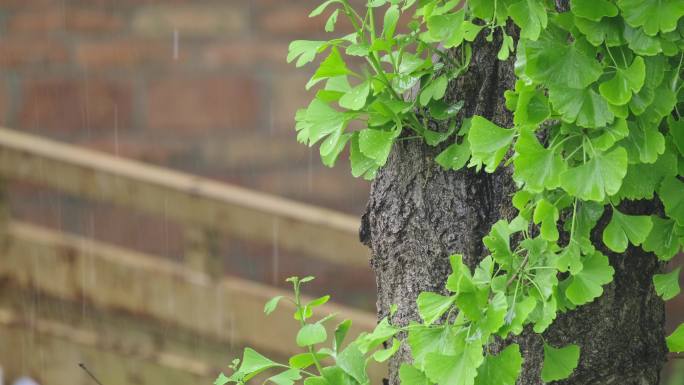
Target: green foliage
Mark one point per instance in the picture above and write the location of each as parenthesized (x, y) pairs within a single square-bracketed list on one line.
[(667, 285), (559, 363), (675, 341), (596, 122)]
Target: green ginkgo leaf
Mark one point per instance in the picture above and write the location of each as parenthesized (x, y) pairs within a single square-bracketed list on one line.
[(532, 106), (496, 313), (321, 8), (332, 20), (602, 175), (675, 341), (618, 90), (507, 46), (311, 334), (502, 369), (410, 375), (587, 285), (390, 20), (554, 62), (622, 228), (547, 214), (377, 144), (611, 134), (457, 369), (498, 243), (559, 362), (321, 120), (355, 99), (677, 132), (352, 361), (272, 304), (386, 354), (361, 165), (662, 241), (538, 167), (332, 146), (424, 341), (593, 10), (582, 106), (643, 179), (570, 259), (435, 90), (667, 285), (431, 306), (664, 101), (530, 16), (446, 29), (608, 31), (287, 377), (640, 42), (454, 157), (488, 143), (653, 15), (644, 142), (332, 66), (252, 364), (671, 193), (304, 51)]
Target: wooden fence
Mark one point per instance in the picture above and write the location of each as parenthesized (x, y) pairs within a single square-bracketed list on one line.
[(137, 318)]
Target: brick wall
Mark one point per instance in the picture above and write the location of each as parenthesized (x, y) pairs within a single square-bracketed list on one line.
[(196, 85)]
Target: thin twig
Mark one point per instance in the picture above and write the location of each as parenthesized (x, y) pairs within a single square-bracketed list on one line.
[(514, 276), (675, 356), (82, 365)]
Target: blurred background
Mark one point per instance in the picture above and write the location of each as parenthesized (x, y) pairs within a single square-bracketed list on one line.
[(197, 86), (147, 275)]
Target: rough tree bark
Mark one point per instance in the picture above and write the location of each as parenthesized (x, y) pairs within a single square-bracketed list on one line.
[(419, 214)]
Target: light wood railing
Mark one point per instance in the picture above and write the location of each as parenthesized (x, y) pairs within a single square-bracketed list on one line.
[(70, 271)]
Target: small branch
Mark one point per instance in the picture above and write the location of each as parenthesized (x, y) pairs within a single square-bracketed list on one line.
[(522, 266), (82, 365), (675, 356)]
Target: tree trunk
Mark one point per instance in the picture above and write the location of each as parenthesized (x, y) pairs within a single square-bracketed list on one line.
[(419, 214)]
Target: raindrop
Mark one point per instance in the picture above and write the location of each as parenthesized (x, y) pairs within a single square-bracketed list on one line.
[(276, 253), (116, 129), (309, 176), (175, 44)]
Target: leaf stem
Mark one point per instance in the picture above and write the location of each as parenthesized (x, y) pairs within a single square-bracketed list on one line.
[(514, 276), (302, 322)]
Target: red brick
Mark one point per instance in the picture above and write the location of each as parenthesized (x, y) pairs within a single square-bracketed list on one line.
[(23, 3), (252, 151), (194, 104), (287, 96), (131, 3), (70, 105), (315, 184), (290, 22), (244, 53), (69, 19), (126, 146), (4, 104), (129, 54), (19, 53), (133, 229), (194, 20)]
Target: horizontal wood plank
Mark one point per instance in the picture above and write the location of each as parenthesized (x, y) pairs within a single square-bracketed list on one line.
[(109, 278), (240, 212)]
